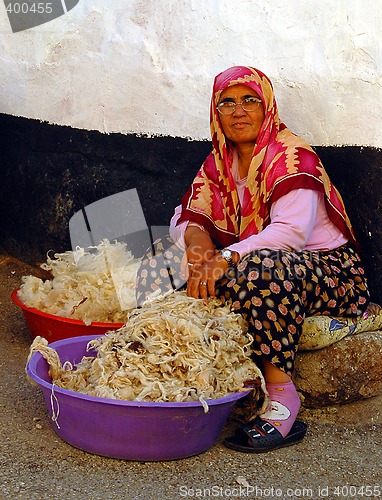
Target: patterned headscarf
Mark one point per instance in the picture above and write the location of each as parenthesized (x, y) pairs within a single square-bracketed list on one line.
[(281, 162)]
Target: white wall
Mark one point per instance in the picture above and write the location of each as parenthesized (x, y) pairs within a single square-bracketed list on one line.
[(146, 66)]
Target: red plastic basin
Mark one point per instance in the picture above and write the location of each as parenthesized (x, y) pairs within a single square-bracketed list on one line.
[(54, 328)]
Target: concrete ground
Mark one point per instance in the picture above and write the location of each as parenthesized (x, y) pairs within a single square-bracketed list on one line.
[(340, 457)]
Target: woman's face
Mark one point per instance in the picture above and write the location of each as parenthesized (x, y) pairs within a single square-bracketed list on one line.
[(241, 127)]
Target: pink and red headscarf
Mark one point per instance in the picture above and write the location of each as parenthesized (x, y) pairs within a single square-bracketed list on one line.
[(281, 162)]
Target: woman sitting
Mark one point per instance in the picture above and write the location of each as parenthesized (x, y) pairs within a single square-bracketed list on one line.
[(263, 227)]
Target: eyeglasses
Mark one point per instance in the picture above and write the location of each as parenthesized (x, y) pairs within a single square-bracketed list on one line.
[(229, 107)]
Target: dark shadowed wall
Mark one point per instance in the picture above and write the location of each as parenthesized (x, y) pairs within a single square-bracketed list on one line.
[(49, 172)]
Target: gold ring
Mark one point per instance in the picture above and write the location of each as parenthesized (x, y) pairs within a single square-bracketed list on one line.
[(203, 283)]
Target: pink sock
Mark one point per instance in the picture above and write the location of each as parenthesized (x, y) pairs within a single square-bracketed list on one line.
[(284, 405)]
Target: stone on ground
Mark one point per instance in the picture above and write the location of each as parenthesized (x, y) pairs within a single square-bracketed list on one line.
[(347, 371)]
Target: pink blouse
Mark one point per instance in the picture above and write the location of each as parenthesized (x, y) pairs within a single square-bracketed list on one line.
[(299, 220)]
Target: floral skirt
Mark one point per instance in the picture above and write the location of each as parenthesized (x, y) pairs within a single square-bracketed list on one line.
[(274, 290)]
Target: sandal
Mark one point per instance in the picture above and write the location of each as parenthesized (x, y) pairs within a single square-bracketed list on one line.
[(264, 437)]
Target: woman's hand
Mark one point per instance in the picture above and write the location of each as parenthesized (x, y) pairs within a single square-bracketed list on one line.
[(199, 246), (204, 265), (202, 279)]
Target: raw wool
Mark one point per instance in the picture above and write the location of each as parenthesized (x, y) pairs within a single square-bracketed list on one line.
[(175, 348), (56, 370), (89, 285)]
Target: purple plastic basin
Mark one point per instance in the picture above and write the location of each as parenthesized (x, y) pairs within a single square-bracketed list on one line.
[(129, 430)]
